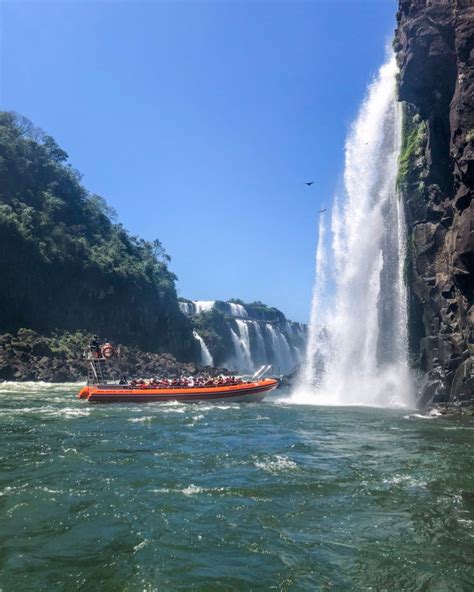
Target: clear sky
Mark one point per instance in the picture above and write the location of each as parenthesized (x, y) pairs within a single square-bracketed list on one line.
[(200, 121)]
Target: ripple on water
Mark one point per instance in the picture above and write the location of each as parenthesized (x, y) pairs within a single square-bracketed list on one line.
[(255, 497)]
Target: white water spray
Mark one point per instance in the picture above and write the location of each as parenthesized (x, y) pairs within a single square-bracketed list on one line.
[(357, 343), (237, 310), (201, 306)]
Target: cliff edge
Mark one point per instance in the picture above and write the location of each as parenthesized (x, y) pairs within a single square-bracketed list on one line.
[(434, 43)]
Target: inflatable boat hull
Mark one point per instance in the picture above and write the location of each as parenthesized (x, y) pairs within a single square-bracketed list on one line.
[(247, 392)]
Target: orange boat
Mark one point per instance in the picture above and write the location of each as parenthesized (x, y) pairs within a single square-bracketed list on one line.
[(100, 390), (112, 393)]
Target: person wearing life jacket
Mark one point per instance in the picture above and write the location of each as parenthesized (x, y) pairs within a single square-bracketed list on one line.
[(94, 346)]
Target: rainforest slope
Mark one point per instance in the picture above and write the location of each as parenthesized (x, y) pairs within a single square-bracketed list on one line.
[(65, 263)]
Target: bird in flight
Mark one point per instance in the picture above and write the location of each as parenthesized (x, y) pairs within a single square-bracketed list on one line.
[(309, 183), (322, 211)]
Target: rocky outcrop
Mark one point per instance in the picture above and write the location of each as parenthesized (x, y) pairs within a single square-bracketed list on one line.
[(29, 356), (435, 50)]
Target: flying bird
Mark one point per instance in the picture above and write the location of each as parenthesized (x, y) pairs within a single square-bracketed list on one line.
[(322, 211), (309, 183)]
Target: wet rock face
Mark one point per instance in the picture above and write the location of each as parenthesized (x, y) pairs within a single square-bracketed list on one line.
[(435, 50)]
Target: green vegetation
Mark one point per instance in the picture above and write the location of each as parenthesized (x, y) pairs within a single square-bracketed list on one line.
[(414, 137), (270, 311), (68, 346), (66, 264)]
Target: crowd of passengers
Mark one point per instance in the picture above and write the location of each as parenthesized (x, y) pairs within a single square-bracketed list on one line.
[(186, 382)]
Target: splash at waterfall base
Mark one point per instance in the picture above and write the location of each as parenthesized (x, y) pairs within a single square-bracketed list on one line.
[(357, 352)]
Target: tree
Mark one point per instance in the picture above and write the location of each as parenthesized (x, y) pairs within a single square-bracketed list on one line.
[(159, 251), (54, 152)]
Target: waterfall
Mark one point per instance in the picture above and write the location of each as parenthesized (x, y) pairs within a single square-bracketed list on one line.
[(261, 350), (206, 358), (241, 358), (357, 343), (237, 310), (313, 344), (244, 339), (203, 305), (281, 349), (186, 308), (249, 354)]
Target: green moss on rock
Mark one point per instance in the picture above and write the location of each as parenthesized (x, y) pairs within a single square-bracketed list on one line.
[(414, 136)]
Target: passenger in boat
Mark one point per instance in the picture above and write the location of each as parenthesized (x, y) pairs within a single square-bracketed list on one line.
[(94, 345)]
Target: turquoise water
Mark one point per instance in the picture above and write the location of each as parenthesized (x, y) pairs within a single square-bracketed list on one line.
[(230, 497)]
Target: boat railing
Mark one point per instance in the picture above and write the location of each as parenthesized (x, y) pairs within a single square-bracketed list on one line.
[(261, 372)]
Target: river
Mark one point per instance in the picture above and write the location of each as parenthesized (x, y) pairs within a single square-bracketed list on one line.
[(269, 496)]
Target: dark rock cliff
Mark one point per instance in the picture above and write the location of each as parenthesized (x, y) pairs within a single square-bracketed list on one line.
[(435, 50)]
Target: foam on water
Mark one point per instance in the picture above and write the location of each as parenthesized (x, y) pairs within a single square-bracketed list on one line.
[(276, 464)]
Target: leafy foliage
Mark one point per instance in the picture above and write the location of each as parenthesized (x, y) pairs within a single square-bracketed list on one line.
[(62, 244), (414, 137)]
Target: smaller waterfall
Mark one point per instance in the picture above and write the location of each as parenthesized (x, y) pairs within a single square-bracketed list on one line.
[(206, 358), (281, 349), (245, 343), (186, 308), (261, 356), (237, 310), (309, 372), (240, 359), (203, 305)]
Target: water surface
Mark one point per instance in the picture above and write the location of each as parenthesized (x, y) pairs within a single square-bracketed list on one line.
[(230, 497)]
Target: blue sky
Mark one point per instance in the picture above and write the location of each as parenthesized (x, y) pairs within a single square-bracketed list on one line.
[(200, 121)]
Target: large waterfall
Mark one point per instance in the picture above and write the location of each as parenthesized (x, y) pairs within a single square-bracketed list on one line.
[(357, 343)]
